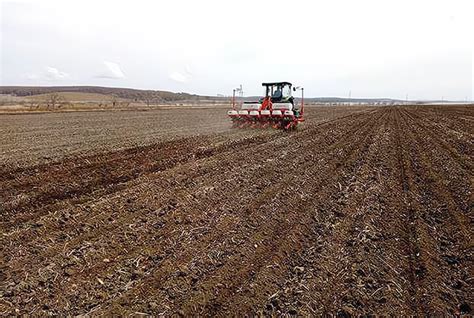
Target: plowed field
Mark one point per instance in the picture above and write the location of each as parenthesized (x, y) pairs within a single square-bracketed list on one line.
[(359, 211)]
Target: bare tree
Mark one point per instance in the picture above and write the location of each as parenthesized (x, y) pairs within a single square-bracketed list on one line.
[(33, 104), (54, 100), (149, 98), (115, 101)]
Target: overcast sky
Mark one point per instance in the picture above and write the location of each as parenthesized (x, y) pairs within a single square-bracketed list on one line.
[(422, 48)]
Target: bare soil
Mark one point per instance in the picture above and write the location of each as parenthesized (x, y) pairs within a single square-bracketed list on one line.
[(360, 211)]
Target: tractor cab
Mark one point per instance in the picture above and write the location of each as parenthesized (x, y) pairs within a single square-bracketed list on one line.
[(278, 92)]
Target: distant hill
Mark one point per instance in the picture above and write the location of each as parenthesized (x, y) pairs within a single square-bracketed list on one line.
[(166, 96), (74, 97), (352, 100), (337, 100), (127, 93)]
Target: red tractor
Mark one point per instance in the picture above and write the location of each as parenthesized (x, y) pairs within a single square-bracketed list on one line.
[(277, 109)]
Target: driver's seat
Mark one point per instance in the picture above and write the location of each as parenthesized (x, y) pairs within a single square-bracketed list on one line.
[(277, 96)]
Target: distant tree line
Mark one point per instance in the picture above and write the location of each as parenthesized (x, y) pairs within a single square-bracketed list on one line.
[(147, 96)]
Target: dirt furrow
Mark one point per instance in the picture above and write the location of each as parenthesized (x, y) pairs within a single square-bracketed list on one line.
[(359, 212), (292, 224), (447, 239), (429, 271), (440, 138), (350, 267), (255, 211), (92, 236), (101, 174)]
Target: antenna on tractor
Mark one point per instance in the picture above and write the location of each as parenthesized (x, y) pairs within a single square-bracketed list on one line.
[(241, 91), (302, 97)]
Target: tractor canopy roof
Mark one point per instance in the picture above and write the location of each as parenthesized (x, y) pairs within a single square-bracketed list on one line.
[(277, 83)]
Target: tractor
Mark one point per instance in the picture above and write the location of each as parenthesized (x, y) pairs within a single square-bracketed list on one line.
[(277, 109)]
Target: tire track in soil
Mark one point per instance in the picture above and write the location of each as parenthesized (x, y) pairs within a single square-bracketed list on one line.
[(105, 176), (209, 304), (430, 268), (297, 281), (200, 255), (352, 259), (61, 228), (450, 239), (454, 176), (417, 265), (442, 116), (351, 270), (461, 159), (440, 157), (209, 152), (104, 172), (298, 229), (458, 135)]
